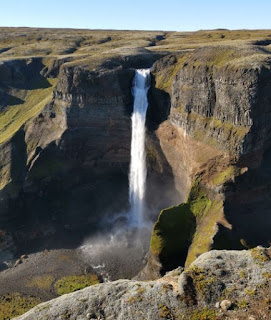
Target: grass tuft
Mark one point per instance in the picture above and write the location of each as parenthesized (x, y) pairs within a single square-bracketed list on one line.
[(14, 304), (73, 283)]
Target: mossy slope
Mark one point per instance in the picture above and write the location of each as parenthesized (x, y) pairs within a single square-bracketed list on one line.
[(16, 115), (73, 283), (15, 304), (190, 225), (172, 235)]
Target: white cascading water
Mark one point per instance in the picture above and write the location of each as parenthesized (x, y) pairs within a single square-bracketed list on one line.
[(137, 177), (122, 251)]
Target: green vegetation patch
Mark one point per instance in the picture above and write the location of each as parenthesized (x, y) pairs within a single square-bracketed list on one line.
[(43, 282), (259, 256), (165, 312), (204, 314), (190, 225), (164, 78), (15, 304), (205, 232), (224, 176), (73, 283), (16, 115), (201, 280), (243, 304), (207, 128), (250, 292), (172, 233)]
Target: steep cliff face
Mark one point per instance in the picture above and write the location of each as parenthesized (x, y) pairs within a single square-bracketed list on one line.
[(66, 144), (81, 134), (216, 141), (65, 135)]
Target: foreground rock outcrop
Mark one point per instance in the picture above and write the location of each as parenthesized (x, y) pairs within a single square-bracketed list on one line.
[(241, 277)]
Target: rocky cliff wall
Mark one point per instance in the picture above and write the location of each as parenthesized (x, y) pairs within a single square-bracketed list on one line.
[(208, 140), (216, 141), (74, 149), (83, 132)]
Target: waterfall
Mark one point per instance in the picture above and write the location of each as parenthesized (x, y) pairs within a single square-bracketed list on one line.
[(138, 172)]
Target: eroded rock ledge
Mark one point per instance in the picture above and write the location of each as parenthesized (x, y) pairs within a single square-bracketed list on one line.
[(241, 277)]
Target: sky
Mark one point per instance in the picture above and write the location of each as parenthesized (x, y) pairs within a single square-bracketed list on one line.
[(188, 15)]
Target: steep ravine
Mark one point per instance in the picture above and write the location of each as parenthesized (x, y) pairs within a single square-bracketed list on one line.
[(65, 152), (207, 143), (65, 170), (216, 140)]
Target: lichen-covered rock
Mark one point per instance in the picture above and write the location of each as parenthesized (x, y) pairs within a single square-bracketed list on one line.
[(242, 277), (226, 275), (122, 299)]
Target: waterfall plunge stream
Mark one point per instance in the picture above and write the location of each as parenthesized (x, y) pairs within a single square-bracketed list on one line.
[(137, 177), (121, 251)]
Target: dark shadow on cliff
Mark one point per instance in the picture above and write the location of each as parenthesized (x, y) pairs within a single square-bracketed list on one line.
[(9, 100), (64, 201), (160, 191), (9, 207), (159, 106), (248, 204), (24, 74)]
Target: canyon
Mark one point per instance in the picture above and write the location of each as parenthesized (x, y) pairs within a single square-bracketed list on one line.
[(65, 132)]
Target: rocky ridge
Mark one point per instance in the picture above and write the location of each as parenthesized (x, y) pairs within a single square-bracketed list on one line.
[(218, 285)]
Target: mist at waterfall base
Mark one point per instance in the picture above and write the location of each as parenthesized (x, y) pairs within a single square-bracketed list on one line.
[(120, 249)]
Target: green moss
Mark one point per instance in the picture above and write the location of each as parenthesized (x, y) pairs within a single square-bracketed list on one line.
[(205, 232), (243, 304), (207, 212), (243, 274), (15, 304), (15, 116), (221, 57), (200, 206), (43, 282), (201, 280), (250, 292), (165, 312), (223, 176), (204, 314), (175, 229), (228, 293), (259, 256), (205, 126), (164, 79), (157, 242), (74, 283), (172, 233)]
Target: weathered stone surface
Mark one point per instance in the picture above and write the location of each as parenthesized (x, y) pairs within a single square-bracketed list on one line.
[(118, 300), (225, 305), (235, 275), (213, 276)]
